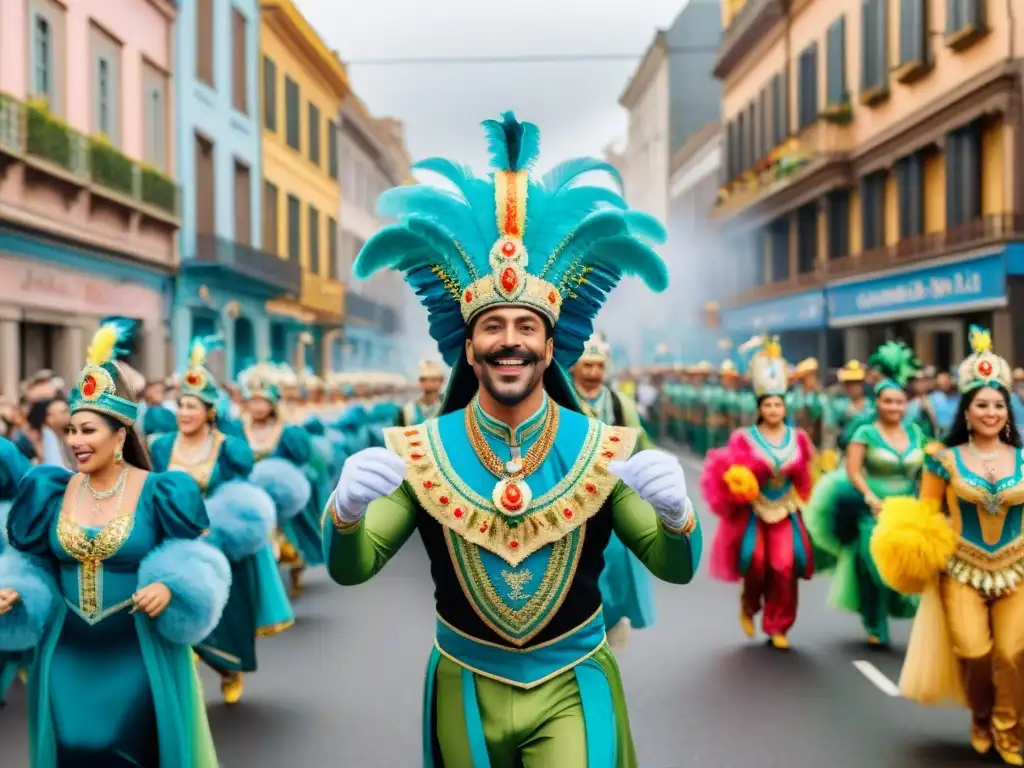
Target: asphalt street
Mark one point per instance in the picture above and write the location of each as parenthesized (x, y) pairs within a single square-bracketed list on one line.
[(343, 687)]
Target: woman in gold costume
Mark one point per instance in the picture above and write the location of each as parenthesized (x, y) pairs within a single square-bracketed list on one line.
[(961, 546)]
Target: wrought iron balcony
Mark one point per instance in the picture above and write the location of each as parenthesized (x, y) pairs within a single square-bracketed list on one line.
[(277, 274)]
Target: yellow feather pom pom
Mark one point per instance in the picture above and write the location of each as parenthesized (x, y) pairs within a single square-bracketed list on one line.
[(911, 543), (980, 340), (829, 460), (197, 355), (742, 483), (101, 348)]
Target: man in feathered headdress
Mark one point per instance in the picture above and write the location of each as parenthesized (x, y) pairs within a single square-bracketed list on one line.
[(504, 483), (428, 404)]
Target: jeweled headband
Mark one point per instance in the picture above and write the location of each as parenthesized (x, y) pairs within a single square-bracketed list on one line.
[(96, 389)]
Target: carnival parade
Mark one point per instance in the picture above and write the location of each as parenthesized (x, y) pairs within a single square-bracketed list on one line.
[(361, 454)]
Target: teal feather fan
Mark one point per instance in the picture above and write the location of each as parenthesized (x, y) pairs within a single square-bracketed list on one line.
[(568, 242)]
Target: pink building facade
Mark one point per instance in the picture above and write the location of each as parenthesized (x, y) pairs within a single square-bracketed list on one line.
[(89, 207)]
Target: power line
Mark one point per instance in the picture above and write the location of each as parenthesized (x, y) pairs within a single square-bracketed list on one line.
[(543, 58)]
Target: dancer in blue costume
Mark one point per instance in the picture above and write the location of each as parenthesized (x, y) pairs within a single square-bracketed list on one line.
[(13, 466), (242, 518), (626, 595), (112, 584), (270, 436), (514, 491), (428, 404)]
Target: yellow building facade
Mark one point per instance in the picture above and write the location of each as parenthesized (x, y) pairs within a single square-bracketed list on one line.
[(303, 84), (873, 170)]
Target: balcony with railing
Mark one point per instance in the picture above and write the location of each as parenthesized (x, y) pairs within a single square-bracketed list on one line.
[(982, 232), (278, 276), (322, 295), (58, 180), (750, 23)]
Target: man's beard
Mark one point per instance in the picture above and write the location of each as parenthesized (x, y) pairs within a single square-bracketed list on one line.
[(509, 394)]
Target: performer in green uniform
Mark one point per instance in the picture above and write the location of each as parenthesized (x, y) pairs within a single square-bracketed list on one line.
[(428, 404), (884, 458), (514, 492), (729, 377), (626, 595), (699, 410), (843, 409)]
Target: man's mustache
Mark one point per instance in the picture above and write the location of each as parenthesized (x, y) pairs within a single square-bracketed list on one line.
[(510, 353)]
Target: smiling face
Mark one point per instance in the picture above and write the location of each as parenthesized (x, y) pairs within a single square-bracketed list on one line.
[(93, 441), (259, 408), (772, 410), (509, 349), (988, 412), (430, 386), (192, 414), (589, 376), (891, 404)]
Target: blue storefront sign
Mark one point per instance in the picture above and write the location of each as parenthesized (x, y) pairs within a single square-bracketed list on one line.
[(799, 312), (961, 286)]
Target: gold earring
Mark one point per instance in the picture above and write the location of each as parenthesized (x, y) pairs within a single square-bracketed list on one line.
[(119, 456)]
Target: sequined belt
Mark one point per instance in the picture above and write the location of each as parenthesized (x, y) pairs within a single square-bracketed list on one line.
[(776, 510), (522, 667)]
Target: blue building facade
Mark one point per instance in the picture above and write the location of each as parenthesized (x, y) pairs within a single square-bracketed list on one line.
[(226, 277)]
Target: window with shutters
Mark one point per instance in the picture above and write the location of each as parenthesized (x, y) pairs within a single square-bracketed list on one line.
[(332, 149), (837, 212), (751, 135), (910, 189), (807, 87), (778, 245), (807, 238), (836, 91), (292, 107), (294, 229), (269, 94), (763, 125), (204, 41), (334, 263), (963, 176), (874, 76), (741, 138), (314, 128), (314, 240), (239, 57), (271, 238), (966, 22), (872, 214), (780, 111), (243, 203), (915, 56)]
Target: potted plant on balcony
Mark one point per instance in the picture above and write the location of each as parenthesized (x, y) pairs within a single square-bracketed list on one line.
[(46, 136), (158, 190), (109, 167), (723, 195), (838, 112), (791, 159)]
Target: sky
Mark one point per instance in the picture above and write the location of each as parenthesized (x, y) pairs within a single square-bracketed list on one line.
[(575, 104)]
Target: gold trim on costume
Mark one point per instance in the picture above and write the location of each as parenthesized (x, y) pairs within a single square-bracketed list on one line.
[(264, 449), (202, 471), (550, 516), (274, 629)]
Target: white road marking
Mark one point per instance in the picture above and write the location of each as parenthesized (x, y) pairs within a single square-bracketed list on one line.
[(880, 681)]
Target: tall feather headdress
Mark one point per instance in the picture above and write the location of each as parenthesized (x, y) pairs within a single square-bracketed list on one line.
[(197, 380), (96, 389), (550, 244), (896, 362), (983, 367)]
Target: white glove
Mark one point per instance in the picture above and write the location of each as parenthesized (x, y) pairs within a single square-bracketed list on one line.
[(367, 475), (659, 480)]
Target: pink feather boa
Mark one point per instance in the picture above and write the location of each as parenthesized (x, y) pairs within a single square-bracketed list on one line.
[(735, 513)]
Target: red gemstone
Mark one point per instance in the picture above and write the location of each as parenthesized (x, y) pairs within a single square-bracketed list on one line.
[(513, 494), (508, 248), (513, 544), (567, 513), (415, 443), (443, 499), (509, 279), (483, 528), (89, 386), (985, 368), (614, 438), (427, 484), (410, 432), (467, 297), (192, 379), (552, 297), (591, 488), (415, 456), (609, 454), (459, 512)]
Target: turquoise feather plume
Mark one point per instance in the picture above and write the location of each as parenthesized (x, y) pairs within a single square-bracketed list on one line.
[(580, 237)]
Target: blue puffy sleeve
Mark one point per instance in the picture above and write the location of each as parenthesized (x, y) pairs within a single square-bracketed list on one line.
[(235, 460), (160, 449), (314, 426), (178, 506), (295, 445), (197, 574), (13, 467), (35, 508), (159, 420), (231, 427)]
